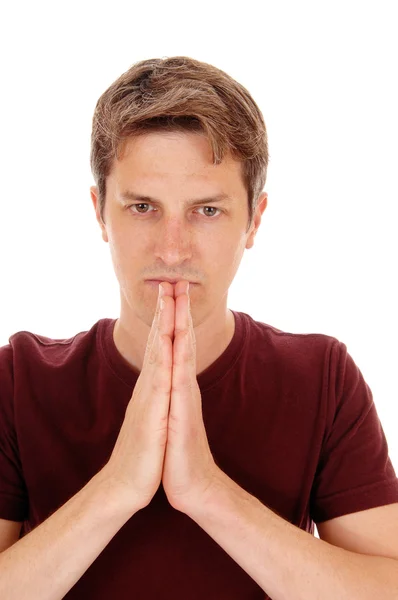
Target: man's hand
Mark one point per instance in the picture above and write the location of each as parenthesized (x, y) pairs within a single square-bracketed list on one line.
[(136, 464), (189, 469), (163, 436)]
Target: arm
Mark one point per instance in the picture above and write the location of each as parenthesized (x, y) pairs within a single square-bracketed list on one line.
[(65, 544), (287, 562)]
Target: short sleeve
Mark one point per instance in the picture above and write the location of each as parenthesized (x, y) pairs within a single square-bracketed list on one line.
[(13, 493), (354, 472)]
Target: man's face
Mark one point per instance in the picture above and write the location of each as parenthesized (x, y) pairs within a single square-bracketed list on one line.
[(171, 235)]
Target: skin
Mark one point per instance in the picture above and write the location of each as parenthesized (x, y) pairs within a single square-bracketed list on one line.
[(174, 239)]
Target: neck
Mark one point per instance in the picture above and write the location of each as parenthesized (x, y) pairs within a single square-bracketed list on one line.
[(212, 335)]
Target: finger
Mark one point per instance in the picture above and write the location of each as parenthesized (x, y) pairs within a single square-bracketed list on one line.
[(155, 379), (180, 287), (182, 321), (156, 323), (162, 347), (184, 350)]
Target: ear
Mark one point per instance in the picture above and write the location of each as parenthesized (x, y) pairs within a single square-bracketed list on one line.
[(261, 206), (94, 199)]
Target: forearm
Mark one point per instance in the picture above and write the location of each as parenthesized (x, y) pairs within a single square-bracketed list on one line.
[(287, 562), (47, 562)]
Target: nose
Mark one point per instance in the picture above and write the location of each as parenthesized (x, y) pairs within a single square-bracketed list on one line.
[(173, 244)]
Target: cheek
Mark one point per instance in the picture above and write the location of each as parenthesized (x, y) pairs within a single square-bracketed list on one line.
[(231, 255), (230, 251), (127, 258)]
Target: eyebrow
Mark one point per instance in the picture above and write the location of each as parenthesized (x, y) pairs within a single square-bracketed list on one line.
[(129, 195)]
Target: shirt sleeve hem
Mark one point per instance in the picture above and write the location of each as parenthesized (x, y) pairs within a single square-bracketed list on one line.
[(12, 508), (363, 498)]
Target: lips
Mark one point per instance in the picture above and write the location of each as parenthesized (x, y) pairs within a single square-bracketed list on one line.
[(155, 282), (169, 280)]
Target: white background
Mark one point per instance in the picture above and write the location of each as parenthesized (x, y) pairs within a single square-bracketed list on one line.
[(324, 76)]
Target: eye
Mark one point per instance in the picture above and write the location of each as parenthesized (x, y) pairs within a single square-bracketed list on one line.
[(211, 208), (141, 204)]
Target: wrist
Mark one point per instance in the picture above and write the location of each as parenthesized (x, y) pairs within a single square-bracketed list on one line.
[(118, 500)]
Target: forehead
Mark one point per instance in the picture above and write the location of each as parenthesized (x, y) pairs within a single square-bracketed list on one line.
[(175, 156)]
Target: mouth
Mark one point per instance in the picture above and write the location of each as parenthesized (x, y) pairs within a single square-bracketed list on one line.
[(171, 280), (168, 280), (157, 281)]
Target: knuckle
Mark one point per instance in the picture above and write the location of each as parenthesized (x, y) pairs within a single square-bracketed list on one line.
[(159, 386)]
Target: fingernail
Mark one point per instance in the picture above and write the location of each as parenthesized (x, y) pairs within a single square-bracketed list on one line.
[(161, 290)]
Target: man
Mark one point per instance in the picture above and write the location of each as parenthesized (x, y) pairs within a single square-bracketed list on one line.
[(185, 450)]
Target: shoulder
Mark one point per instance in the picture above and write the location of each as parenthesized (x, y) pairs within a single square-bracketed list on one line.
[(34, 347), (296, 349)]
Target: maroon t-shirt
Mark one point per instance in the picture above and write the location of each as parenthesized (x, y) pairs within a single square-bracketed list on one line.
[(289, 417)]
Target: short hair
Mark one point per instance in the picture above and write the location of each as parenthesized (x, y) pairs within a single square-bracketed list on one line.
[(181, 94)]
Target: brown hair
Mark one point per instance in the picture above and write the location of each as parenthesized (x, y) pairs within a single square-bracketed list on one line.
[(181, 94)]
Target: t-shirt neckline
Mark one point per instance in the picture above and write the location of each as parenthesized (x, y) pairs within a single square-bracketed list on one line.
[(208, 378)]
